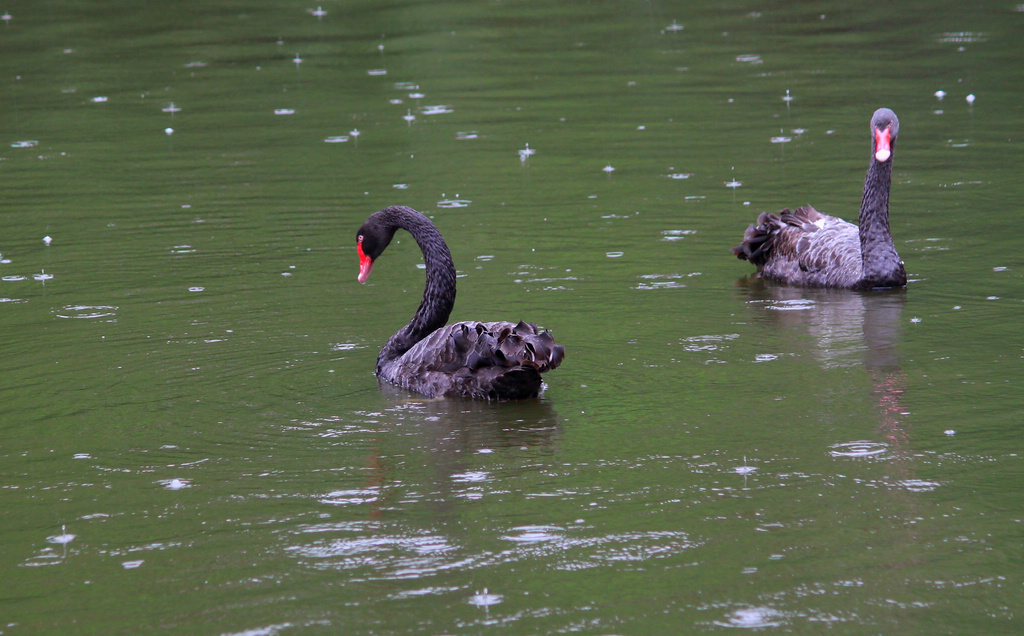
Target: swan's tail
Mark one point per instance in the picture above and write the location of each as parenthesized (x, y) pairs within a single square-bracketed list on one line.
[(528, 348), (520, 383), (759, 239), (504, 361)]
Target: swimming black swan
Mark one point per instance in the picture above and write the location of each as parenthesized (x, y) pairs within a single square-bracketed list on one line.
[(490, 360), (806, 247)]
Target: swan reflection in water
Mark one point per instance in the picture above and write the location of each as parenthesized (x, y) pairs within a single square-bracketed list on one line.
[(849, 329), (444, 447), (469, 426), (846, 328)]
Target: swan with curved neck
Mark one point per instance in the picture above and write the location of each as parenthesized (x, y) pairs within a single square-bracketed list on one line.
[(808, 248), (489, 360)]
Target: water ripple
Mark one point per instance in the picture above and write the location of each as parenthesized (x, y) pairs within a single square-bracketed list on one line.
[(858, 449), (708, 342), (676, 235), (350, 496), (439, 109), (87, 311), (660, 281), (753, 618), (796, 304), (919, 485)]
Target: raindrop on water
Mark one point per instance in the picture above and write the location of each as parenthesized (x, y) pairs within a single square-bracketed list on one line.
[(484, 599), (63, 538)]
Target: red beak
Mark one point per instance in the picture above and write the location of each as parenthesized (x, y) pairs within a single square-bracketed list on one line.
[(365, 263)]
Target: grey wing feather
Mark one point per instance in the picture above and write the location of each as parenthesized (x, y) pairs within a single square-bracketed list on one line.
[(803, 247)]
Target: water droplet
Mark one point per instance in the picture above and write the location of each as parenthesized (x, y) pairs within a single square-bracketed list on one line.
[(61, 539), (484, 599)]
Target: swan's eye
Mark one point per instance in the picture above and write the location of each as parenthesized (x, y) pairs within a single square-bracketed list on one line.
[(359, 239)]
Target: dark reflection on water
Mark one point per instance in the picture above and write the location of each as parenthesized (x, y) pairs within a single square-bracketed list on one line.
[(839, 323), (446, 446), (843, 326), (854, 330), (470, 425)]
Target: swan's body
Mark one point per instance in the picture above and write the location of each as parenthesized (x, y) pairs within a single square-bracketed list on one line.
[(808, 248), (490, 360)]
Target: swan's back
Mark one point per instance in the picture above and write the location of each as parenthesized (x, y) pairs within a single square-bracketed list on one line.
[(804, 247), (488, 360)]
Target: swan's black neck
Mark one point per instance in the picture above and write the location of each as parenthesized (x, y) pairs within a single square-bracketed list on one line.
[(439, 294), (882, 266)]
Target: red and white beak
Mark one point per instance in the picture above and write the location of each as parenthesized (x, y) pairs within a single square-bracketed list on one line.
[(883, 144)]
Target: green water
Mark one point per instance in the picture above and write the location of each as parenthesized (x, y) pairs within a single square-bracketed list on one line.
[(192, 439)]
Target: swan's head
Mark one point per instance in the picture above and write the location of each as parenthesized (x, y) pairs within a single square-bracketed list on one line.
[(885, 126), (371, 239)]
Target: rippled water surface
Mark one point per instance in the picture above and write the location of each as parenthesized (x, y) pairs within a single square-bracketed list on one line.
[(193, 440)]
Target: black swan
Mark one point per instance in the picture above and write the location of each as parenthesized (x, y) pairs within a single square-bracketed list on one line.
[(489, 360), (806, 247)]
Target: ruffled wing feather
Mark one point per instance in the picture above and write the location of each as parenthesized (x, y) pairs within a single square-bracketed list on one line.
[(490, 360)]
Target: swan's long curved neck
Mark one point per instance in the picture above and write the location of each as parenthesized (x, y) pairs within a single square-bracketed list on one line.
[(439, 293), (881, 264)]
